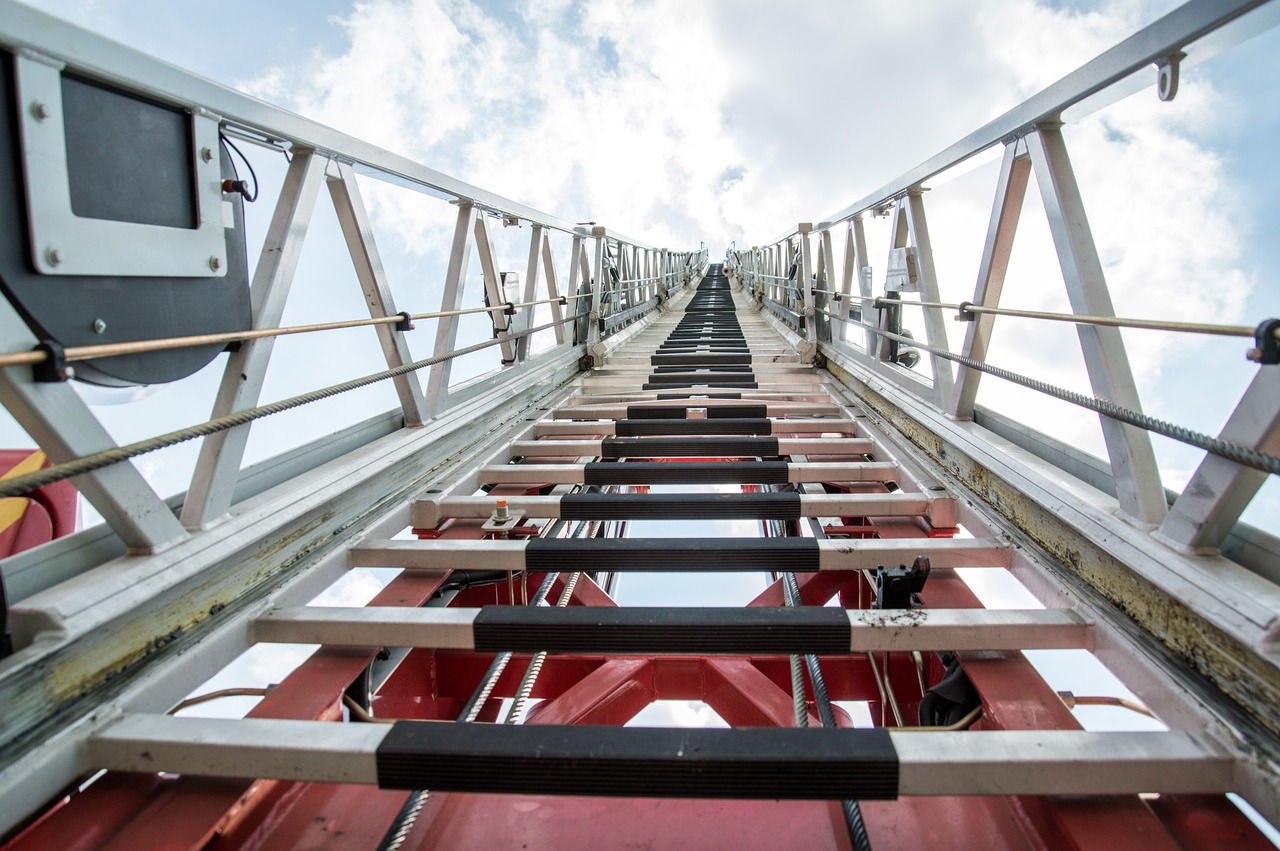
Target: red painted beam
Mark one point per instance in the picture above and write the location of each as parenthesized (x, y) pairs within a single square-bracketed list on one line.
[(744, 697), (611, 694)]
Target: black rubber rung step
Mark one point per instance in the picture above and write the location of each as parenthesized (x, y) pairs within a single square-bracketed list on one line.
[(708, 358), (751, 763), (703, 377), (667, 397), (677, 555), (696, 332), (689, 447), (716, 412), (602, 629), (729, 344), (686, 473), (720, 425), (717, 332), (682, 353), (680, 506), (656, 412), (695, 368), (745, 385)]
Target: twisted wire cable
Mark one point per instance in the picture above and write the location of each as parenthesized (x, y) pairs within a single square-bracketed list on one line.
[(20, 485), (407, 817), (822, 698), (535, 664), (1243, 455)]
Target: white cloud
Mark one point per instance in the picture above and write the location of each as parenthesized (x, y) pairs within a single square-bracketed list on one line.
[(675, 122), (677, 713), (355, 588)]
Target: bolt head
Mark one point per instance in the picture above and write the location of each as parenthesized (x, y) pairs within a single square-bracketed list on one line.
[(215, 263), (39, 111), (69, 372), (53, 256), (99, 325), (206, 154)]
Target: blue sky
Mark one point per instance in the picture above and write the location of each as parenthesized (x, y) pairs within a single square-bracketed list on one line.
[(677, 122)]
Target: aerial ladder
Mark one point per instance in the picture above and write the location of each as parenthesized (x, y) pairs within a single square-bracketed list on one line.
[(482, 696)]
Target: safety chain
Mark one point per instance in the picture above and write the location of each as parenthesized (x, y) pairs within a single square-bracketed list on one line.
[(20, 485)]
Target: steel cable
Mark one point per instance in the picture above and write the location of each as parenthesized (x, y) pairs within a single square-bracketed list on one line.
[(535, 664), (797, 692), (407, 817), (32, 481), (1236, 452), (74, 354), (412, 807), (822, 699)]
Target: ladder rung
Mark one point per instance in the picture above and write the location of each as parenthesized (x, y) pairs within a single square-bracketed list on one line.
[(680, 506), (661, 555), (656, 426), (713, 409), (738, 631), (700, 358), (694, 447), (590, 397), (690, 473), (681, 412), (749, 763)]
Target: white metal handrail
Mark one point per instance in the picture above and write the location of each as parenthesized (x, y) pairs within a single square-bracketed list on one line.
[(62, 425), (1032, 142)]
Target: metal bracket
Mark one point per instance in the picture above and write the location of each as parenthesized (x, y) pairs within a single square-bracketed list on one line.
[(1267, 349), (903, 274), (502, 520), (898, 587), (406, 321), (54, 368), (965, 314), (1167, 75), (63, 243)]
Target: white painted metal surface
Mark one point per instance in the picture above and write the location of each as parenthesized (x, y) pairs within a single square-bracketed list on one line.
[(76, 635)]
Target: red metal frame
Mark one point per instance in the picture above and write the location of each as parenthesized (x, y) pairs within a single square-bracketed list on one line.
[(145, 812)]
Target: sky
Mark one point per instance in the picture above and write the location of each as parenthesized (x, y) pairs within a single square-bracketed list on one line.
[(729, 121), (676, 123)]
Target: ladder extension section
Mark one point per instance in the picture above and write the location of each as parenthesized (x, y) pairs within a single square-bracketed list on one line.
[(705, 414)]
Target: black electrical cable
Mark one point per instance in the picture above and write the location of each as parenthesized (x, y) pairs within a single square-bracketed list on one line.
[(231, 146), (460, 580), (852, 812)]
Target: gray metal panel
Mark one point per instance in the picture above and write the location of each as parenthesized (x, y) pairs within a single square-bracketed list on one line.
[(93, 55)]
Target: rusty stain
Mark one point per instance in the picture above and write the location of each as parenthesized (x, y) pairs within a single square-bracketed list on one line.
[(93, 667), (1249, 681)]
